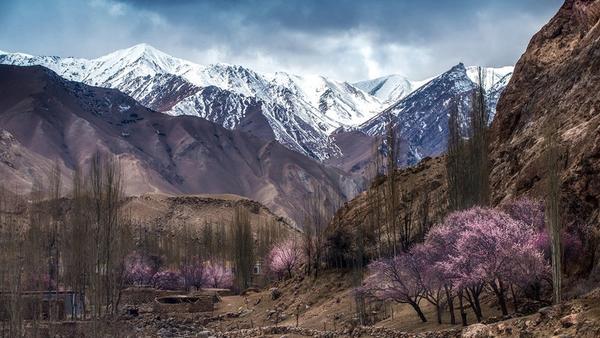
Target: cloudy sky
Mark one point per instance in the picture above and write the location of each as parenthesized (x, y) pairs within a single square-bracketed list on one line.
[(343, 39)]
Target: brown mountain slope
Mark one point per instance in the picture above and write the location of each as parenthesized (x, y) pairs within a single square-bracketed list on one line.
[(173, 212), (557, 77), (53, 119)]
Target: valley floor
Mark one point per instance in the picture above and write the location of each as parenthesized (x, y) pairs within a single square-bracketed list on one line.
[(326, 309)]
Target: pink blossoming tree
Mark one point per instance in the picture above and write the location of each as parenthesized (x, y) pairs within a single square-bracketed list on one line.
[(285, 258), (496, 250), (218, 276), (473, 250), (194, 274), (139, 269), (398, 278)]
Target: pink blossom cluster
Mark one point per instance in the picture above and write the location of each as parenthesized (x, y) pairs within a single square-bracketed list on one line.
[(285, 258), (531, 211), (193, 273), (197, 275), (479, 249), (218, 276), (141, 269)]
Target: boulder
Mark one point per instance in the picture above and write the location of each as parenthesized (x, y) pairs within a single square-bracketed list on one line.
[(477, 331), (569, 320), (275, 293)]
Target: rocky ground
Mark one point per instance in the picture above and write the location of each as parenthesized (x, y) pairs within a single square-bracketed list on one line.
[(326, 309), (575, 318)]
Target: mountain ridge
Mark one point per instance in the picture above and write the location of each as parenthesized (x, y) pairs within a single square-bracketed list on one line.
[(302, 112)]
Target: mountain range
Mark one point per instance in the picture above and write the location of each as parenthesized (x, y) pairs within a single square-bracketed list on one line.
[(300, 112), (46, 119)]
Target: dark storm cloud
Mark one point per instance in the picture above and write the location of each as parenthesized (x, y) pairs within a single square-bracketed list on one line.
[(344, 39)]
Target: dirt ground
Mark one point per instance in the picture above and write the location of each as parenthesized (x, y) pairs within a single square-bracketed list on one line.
[(326, 308), (328, 305)]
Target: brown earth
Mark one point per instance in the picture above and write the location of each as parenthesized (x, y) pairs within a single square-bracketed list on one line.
[(357, 148)]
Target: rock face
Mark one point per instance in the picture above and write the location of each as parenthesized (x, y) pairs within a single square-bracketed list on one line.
[(558, 78)]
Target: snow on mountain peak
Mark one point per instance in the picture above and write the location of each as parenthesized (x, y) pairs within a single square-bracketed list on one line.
[(421, 118), (142, 50), (491, 75), (389, 88), (139, 60), (301, 111)]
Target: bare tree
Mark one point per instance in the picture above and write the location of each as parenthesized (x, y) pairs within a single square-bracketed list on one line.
[(11, 268), (314, 229), (479, 142), (78, 242), (553, 219), (110, 232), (423, 215), (374, 198), (242, 248), (467, 159), (392, 195)]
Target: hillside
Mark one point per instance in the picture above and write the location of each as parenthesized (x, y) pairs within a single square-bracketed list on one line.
[(171, 213), (557, 78)]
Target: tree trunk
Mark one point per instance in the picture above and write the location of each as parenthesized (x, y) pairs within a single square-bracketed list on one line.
[(499, 291), (514, 297), (463, 314), (417, 309), (473, 298), (450, 301)]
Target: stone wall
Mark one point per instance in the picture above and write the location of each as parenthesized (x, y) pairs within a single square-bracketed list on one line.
[(137, 296), (356, 332)]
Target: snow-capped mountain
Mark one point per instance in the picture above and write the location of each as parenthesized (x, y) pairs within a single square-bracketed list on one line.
[(390, 89), (300, 112), (421, 118)]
